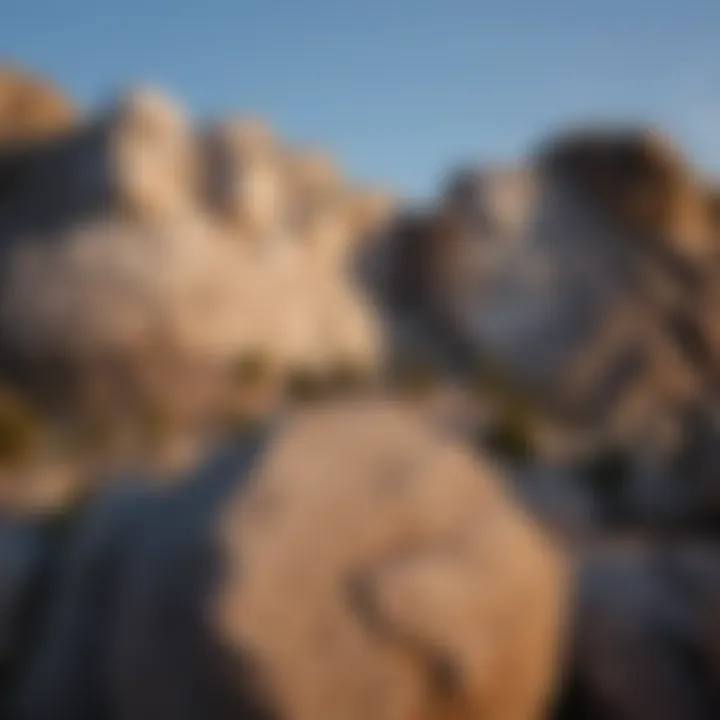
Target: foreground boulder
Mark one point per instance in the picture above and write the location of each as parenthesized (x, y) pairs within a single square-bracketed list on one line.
[(358, 566)]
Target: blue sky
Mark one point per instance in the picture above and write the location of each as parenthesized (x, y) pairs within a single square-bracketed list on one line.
[(400, 90)]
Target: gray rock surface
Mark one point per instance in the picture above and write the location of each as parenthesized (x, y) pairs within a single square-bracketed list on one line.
[(646, 640), (554, 269)]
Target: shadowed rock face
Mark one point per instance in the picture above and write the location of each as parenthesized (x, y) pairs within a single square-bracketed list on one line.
[(360, 567), (135, 161), (589, 273), (20, 569), (33, 117), (646, 640), (585, 272), (642, 181)]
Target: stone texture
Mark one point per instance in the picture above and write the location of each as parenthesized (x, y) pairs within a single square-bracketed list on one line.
[(361, 566)]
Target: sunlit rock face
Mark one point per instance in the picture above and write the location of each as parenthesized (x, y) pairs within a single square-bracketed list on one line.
[(179, 295), (358, 565), (410, 572), (313, 174), (111, 287), (245, 182), (151, 149), (320, 212), (138, 242), (30, 109), (372, 211)]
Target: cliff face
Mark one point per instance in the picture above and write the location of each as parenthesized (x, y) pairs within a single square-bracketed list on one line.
[(588, 272), (148, 253), (162, 285), (154, 255)]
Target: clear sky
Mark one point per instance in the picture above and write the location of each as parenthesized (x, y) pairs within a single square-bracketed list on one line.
[(400, 90)]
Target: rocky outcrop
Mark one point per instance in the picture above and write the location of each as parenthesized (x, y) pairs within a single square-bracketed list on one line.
[(151, 256), (357, 565), (587, 273), (578, 289), (246, 185), (33, 115), (168, 280), (641, 180), (30, 109)]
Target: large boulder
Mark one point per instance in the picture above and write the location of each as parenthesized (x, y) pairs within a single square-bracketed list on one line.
[(360, 566)]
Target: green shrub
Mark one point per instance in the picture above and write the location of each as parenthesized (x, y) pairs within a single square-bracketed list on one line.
[(511, 437), (494, 381), (157, 423), (305, 385), (416, 379), (19, 430), (250, 369), (347, 376), (512, 434), (238, 423)]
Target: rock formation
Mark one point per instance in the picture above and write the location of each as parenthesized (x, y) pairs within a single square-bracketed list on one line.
[(30, 109), (150, 255), (360, 565), (246, 184), (587, 273), (162, 280)]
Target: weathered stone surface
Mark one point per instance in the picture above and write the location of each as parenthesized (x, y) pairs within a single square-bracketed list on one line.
[(586, 273), (155, 257), (30, 109), (246, 182), (361, 566)]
